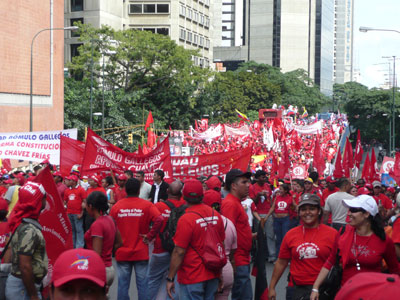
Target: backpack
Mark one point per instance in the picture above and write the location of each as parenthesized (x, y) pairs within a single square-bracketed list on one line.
[(214, 257), (170, 228)]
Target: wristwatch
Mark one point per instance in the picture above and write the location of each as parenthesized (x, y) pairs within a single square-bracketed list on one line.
[(170, 279)]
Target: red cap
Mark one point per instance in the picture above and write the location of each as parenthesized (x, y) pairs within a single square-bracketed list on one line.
[(72, 177), (57, 173), (370, 285), (391, 190), (8, 181), (211, 197), (97, 179), (79, 264), (330, 179), (192, 189), (214, 182), (3, 204), (122, 177)]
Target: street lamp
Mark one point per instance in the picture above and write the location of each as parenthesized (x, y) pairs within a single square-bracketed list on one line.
[(393, 129), (31, 75)]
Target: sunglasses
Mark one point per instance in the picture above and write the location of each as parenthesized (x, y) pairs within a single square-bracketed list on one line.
[(356, 209)]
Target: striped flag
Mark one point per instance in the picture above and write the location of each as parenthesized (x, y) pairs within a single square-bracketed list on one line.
[(242, 116)]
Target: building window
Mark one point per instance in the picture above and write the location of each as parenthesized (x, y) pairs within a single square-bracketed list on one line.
[(189, 14), (189, 36), (158, 30), (152, 30), (149, 8), (201, 41), (163, 8), (74, 50), (207, 46), (182, 10), (201, 19), (195, 39), (135, 8), (75, 22), (195, 16), (76, 5), (182, 34), (163, 31), (207, 23)]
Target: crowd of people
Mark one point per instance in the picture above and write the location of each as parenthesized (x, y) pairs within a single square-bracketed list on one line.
[(195, 239)]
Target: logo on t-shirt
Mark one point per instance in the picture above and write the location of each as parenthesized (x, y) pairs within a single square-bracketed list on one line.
[(71, 197), (362, 250), (307, 250), (82, 263), (282, 205)]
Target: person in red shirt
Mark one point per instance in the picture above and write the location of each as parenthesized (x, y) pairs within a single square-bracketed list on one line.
[(306, 247), (331, 189), (385, 205), (298, 190), (281, 207), (74, 198), (237, 183), (310, 188), (102, 233), (160, 258), (61, 187), (133, 217), (193, 276), (362, 246), (5, 264), (261, 194), (94, 186), (396, 234), (119, 191)]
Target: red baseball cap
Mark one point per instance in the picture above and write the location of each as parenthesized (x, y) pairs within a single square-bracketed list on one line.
[(192, 189), (370, 285), (8, 181), (122, 177), (3, 204), (330, 179), (72, 177), (214, 182), (97, 179), (363, 191), (79, 264), (57, 173), (211, 197)]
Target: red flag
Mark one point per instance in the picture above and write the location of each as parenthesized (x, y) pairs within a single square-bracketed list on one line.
[(347, 158), (149, 121), (151, 138), (366, 172), (395, 173), (359, 151), (196, 126), (274, 167), (71, 153), (338, 173), (318, 159), (284, 163), (374, 171), (145, 149), (6, 164), (139, 150)]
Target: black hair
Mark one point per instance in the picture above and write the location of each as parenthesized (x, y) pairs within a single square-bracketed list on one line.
[(98, 200), (132, 187), (300, 182), (141, 173), (128, 172), (193, 200), (260, 173), (342, 182), (377, 226), (3, 214), (160, 173), (38, 167), (286, 187), (314, 176), (109, 180)]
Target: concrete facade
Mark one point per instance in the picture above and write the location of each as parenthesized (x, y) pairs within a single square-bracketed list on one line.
[(20, 20), (188, 22)]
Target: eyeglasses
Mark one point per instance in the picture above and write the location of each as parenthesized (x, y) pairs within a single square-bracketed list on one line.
[(356, 209)]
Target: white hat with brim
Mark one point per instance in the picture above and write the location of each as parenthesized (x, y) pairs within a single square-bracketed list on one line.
[(365, 202)]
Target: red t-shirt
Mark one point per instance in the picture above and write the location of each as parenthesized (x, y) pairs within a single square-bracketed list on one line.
[(369, 250), (190, 235), (308, 250), (263, 206), (385, 201), (3, 190), (97, 189), (232, 209), (104, 227), (119, 193), (295, 198), (4, 234), (282, 204), (74, 198), (396, 231), (165, 212), (133, 217)]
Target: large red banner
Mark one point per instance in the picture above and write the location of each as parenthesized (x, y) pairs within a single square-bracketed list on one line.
[(56, 227), (72, 152), (210, 164), (101, 155)]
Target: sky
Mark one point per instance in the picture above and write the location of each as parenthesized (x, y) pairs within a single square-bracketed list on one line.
[(370, 47)]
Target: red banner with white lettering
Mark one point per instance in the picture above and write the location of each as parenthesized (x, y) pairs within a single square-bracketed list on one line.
[(56, 227), (71, 153), (101, 155), (210, 164)]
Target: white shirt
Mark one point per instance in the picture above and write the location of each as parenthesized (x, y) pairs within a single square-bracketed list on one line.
[(247, 208), (145, 189), (156, 192)]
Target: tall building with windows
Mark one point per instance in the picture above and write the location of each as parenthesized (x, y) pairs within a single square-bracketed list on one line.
[(344, 35), (289, 34), (188, 22)]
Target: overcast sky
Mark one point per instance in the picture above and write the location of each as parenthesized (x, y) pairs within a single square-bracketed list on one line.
[(371, 46)]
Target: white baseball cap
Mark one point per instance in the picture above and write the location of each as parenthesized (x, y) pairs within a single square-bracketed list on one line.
[(365, 202)]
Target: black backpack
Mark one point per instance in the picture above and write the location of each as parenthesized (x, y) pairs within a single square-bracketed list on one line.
[(170, 228)]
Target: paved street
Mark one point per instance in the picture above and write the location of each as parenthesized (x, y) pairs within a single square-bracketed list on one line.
[(281, 288)]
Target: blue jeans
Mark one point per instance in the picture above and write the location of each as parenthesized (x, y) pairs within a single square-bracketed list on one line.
[(156, 274), (124, 269), (77, 230), (281, 226), (199, 291), (242, 289), (15, 289)]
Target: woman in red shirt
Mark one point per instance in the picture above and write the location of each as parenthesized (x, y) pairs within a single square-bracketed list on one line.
[(363, 245), (103, 236), (298, 189), (306, 247), (281, 207)]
